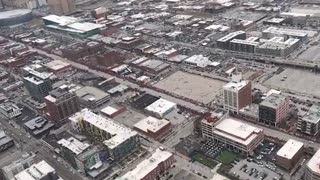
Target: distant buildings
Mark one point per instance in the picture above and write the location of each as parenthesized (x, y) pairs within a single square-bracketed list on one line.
[(290, 154), (61, 7), (39, 171), (274, 109), (236, 94), (238, 136), (310, 122), (10, 110), (26, 161), (37, 83), (61, 104), (92, 97), (119, 140), (151, 168), (160, 108), (312, 171), (5, 141), (152, 127)]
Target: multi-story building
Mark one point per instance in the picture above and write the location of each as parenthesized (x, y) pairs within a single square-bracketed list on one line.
[(285, 33), (151, 168), (310, 122), (274, 109), (278, 46), (248, 45), (60, 7), (19, 165), (59, 68), (61, 104), (120, 140), (236, 94), (5, 141), (224, 42), (290, 154), (37, 83), (10, 110), (38, 126), (312, 171), (237, 136), (207, 125), (39, 171), (92, 97)]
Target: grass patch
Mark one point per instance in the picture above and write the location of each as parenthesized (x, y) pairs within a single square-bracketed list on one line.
[(204, 160), (226, 157)]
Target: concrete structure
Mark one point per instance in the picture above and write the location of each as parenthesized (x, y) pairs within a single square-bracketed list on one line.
[(92, 97), (236, 94), (37, 83), (285, 33), (312, 171), (310, 122), (119, 140), (10, 110), (302, 16), (61, 104), (152, 127), (111, 111), (38, 126), (274, 109), (19, 165), (160, 108), (5, 141), (39, 171), (290, 154), (151, 168), (278, 46), (238, 136), (8, 18), (248, 45), (224, 42), (59, 68), (60, 7), (207, 125)]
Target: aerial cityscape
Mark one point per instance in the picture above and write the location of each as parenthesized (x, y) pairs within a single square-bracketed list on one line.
[(159, 90)]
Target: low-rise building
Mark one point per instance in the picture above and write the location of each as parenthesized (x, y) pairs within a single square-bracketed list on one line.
[(5, 141), (38, 126), (312, 171), (10, 110), (151, 168), (119, 140), (160, 108), (238, 136), (59, 68), (153, 127), (112, 111), (39, 171), (290, 154), (92, 97)]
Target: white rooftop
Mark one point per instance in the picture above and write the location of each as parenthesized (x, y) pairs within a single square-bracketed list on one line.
[(61, 20), (236, 86), (35, 172), (161, 106), (57, 65), (118, 132), (146, 166), (237, 131), (314, 163), (198, 60), (74, 145), (151, 124), (109, 110), (289, 149)]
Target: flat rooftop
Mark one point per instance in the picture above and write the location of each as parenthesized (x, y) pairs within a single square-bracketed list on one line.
[(118, 132), (146, 166), (161, 106), (4, 139), (35, 172), (151, 124), (89, 93), (74, 145), (235, 85), (273, 101), (289, 149), (237, 131), (231, 36), (57, 65), (38, 125), (314, 163), (313, 115)]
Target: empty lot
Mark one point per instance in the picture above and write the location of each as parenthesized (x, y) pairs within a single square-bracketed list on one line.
[(195, 87)]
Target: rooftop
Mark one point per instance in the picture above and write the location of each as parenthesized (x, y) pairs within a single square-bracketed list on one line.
[(109, 110), (313, 115), (146, 166), (57, 65), (61, 20), (74, 145), (237, 131), (314, 163), (230, 36), (151, 124), (160, 106), (4, 139), (198, 60), (274, 100), (35, 172), (38, 125), (282, 31), (289, 149), (89, 93), (118, 132)]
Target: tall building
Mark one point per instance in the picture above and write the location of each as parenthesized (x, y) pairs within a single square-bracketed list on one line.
[(61, 7), (237, 136), (151, 168), (61, 104), (37, 83), (274, 109), (19, 165), (236, 94), (39, 171), (312, 171), (290, 154), (310, 122), (119, 140)]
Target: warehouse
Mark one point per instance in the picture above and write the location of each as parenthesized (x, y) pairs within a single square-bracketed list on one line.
[(160, 108)]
